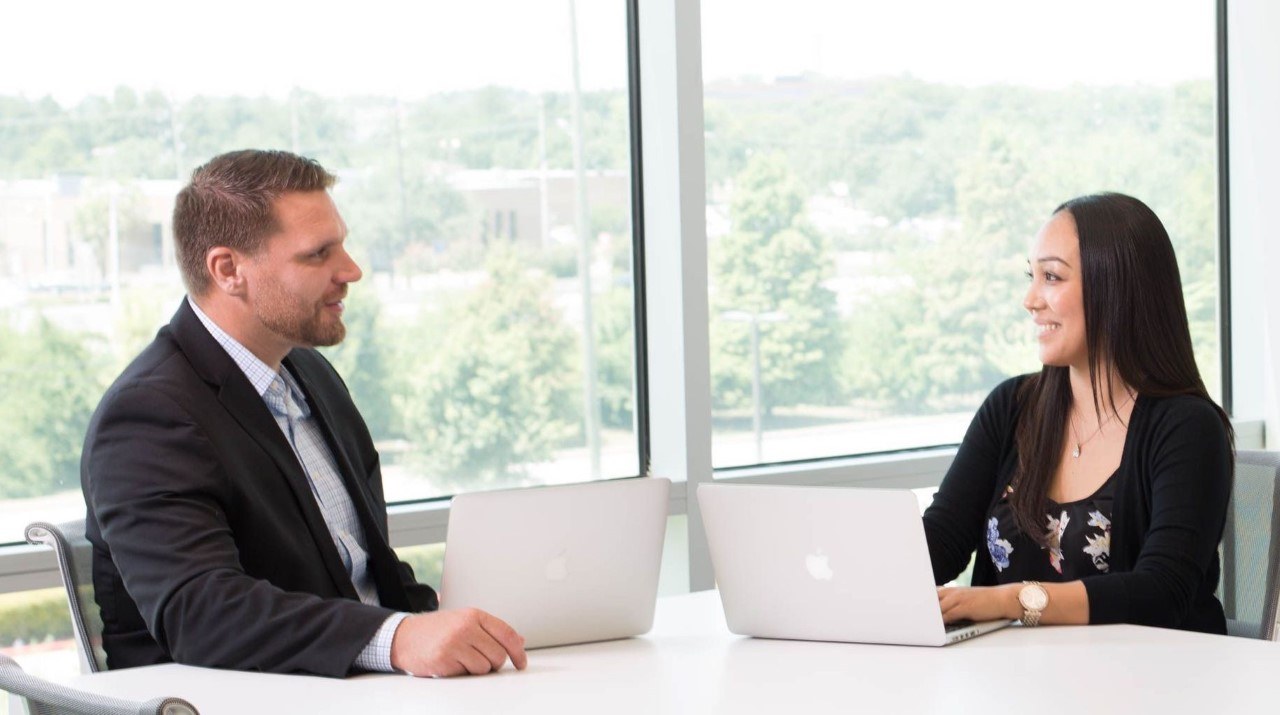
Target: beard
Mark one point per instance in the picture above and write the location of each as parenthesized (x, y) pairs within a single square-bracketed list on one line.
[(298, 320)]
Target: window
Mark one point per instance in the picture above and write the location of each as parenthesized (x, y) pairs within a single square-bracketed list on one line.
[(482, 354), (875, 172)]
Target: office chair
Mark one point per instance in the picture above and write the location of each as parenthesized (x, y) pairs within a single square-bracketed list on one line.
[(42, 697), (75, 564), (1250, 587)]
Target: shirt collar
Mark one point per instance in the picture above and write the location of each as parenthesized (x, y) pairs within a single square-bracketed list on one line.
[(259, 375)]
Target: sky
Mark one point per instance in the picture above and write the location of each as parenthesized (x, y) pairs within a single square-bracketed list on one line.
[(968, 42), (72, 48), (272, 46)]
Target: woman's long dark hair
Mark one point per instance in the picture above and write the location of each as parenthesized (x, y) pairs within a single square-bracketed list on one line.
[(1135, 327)]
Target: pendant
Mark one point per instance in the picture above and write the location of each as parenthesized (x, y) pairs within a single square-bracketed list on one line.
[(1076, 452)]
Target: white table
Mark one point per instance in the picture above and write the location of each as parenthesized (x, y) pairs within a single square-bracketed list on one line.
[(690, 663)]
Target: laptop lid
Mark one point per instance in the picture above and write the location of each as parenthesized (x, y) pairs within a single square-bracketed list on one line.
[(562, 564), (822, 563)]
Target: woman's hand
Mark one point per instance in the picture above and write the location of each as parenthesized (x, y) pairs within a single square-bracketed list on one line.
[(979, 603)]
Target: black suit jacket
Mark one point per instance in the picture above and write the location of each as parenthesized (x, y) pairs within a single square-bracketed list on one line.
[(209, 548)]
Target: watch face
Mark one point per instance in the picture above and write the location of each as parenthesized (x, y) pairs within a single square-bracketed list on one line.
[(1033, 597)]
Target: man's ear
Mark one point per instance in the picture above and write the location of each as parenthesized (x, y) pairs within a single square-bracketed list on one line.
[(226, 269)]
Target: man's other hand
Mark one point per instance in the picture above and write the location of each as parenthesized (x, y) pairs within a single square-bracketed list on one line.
[(445, 643)]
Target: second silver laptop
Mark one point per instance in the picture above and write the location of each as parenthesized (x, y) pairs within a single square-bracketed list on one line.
[(825, 563)]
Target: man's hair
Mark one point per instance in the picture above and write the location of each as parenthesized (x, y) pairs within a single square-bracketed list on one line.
[(229, 203)]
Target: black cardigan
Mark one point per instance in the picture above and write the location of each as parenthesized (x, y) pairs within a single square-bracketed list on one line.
[(1172, 489)]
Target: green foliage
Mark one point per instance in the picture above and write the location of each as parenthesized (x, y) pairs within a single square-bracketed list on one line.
[(39, 616), (773, 263), (949, 331), (498, 127), (894, 149), (363, 360), (93, 225), (956, 179), (767, 198), (560, 260), (960, 179), (615, 357), (486, 385), (390, 215), (49, 385), (427, 562), (144, 309)]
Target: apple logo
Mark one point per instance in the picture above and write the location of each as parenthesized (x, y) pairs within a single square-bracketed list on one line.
[(819, 566), (558, 567)]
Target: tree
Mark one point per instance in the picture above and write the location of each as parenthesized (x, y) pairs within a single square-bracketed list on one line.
[(773, 262), (492, 384), (954, 326), (389, 216), (363, 358), (92, 224), (616, 366), (143, 310), (49, 385)]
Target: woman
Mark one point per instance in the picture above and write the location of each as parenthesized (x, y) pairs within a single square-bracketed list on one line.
[(1094, 491)]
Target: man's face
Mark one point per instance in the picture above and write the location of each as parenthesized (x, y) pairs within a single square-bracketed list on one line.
[(300, 276)]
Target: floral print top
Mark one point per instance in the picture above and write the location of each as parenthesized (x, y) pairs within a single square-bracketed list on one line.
[(1079, 540)]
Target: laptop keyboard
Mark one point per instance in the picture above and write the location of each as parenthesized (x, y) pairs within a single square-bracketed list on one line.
[(958, 625)]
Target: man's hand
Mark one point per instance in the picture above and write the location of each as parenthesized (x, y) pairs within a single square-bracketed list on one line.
[(458, 642), (979, 603)]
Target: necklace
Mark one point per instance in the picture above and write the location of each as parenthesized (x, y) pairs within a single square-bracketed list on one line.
[(1080, 443)]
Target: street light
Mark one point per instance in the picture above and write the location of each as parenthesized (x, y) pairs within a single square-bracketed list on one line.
[(754, 320)]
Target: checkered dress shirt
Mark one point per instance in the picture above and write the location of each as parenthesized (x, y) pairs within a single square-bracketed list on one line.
[(283, 396)]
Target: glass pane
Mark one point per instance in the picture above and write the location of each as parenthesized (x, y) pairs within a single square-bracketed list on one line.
[(875, 173), (427, 561), (483, 157), (36, 631)]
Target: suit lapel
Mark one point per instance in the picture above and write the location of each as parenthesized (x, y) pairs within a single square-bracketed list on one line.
[(246, 406), (382, 559)]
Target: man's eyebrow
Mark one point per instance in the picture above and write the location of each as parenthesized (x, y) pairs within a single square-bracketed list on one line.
[(321, 245)]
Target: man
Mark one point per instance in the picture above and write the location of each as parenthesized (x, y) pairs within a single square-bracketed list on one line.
[(234, 494)]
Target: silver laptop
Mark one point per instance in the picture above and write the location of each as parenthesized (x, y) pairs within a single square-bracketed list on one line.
[(564, 564), (825, 564)]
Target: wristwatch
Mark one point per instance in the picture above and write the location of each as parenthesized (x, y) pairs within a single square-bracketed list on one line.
[(1033, 598)]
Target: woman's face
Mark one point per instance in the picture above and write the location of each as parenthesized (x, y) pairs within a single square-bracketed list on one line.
[(1055, 298)]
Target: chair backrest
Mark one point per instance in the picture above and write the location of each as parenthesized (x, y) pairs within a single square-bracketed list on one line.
[(42, 697), (1251, 547), (75, 564)]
